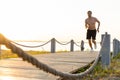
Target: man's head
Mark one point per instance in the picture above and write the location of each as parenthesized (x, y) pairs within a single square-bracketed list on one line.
[(89, 13)]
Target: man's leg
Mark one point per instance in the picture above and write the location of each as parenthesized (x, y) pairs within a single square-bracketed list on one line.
[(94, 38), (95, 46), (90, 44)]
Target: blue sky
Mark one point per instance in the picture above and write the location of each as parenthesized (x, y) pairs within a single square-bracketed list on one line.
[(62, 19)]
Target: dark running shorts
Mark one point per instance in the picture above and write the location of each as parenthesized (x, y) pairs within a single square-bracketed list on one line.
[(91, 34)]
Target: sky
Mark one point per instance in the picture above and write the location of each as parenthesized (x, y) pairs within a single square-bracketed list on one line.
[(60, 19)]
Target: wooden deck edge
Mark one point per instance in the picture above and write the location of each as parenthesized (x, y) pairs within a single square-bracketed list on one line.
[(76, 70)]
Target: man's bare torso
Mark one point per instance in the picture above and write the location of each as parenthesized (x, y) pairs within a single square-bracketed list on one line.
[(91, 23)]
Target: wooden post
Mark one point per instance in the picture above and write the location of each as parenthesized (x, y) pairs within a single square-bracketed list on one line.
[(105, 51), (119, 47), (102, 36), (114, 47), (53, 45), (72, 45), (82, 45)]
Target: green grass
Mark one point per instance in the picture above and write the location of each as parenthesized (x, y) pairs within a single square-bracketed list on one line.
[(8, 54), (99, 72)]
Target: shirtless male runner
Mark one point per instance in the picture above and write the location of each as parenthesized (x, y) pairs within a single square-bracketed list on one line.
[(90, 24)]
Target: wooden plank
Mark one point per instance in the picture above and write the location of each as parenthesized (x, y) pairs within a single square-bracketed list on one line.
[(16, 69)]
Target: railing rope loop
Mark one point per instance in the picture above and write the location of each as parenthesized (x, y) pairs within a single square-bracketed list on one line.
[(62, 43), (31, 46), (76, 44)]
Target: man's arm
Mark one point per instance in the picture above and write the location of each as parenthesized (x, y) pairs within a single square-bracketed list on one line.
[(98, 25), (86, 25)]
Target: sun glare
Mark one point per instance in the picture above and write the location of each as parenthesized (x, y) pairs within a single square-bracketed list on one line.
[(6, 78)]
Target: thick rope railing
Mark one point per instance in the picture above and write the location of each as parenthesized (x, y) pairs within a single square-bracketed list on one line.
[(31, 46), (42, 66)]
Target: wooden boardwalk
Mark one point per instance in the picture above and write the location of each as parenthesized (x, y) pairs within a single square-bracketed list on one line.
[(16, 69)]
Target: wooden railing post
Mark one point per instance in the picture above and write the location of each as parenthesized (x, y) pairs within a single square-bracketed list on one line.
[(102, 37), (72, 45), (116, 47), (105, 51), (119, 47), (53, 45)]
